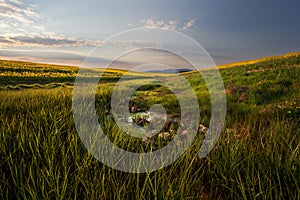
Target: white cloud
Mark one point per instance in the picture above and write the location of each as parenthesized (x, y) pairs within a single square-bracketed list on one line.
[(169, 25), (189, 24), (21, 26), (39, 27), (15, 15), (4, 25), (29, 12), (16, 2), (152, 23)]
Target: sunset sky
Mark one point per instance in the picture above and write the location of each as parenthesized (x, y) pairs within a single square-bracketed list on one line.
[(66, 31)]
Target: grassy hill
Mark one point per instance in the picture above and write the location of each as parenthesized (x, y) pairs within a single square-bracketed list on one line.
[(256, 157), (18, 75)]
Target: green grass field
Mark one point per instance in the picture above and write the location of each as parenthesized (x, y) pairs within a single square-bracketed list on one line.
[(256, 157)]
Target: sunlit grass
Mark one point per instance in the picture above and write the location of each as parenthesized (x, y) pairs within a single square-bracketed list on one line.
[(17, 72), (251, 62)]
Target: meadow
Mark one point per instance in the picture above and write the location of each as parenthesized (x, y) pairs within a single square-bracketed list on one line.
[(256, 157)]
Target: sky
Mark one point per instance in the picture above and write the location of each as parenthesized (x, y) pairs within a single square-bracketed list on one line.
[(66, 31)]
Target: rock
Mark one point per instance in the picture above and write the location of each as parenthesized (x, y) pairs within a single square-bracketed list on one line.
[(133, 109), (107, 112), (145, 141), (203, 129), (164, 135), (141, 121), (184, 133)]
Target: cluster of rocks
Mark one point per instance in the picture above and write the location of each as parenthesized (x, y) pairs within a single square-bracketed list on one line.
[(203, 129), (170, 135), (141, 121), (134, 109)]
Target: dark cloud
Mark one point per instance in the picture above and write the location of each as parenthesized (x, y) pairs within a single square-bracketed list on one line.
[(43, 41), (60, 58), (5, 40)]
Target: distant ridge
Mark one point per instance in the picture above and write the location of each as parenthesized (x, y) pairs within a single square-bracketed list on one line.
[(162, 72), (170, 71)]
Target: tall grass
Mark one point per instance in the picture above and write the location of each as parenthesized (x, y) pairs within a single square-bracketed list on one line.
[(43, 157), (257, 156)]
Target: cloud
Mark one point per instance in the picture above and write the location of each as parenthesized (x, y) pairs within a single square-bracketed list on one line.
[(29, 12), (44, 56), (22, 26), (152, 23), (152, 55), (54, 40), (61, 57), (16, 2), (189, 24), (168, 25), (42, 40), (11, 14), (15, 14)]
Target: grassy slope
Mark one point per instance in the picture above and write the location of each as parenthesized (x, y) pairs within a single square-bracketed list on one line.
[(250, 62), (18, 75), (257, 156)]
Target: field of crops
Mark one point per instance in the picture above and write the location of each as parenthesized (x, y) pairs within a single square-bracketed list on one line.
[(256, 157)]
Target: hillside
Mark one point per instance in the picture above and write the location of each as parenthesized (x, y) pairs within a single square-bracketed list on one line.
[(257, 155), (18, 74)]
